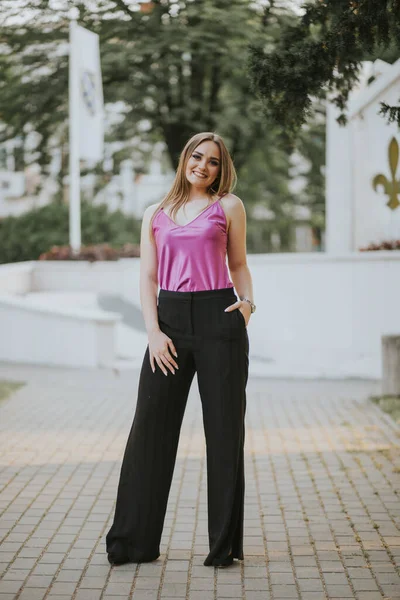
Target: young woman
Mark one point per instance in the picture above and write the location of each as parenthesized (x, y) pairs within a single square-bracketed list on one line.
[(197, 326)]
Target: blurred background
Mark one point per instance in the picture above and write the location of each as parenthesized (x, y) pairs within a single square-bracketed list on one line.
[(306, 96)]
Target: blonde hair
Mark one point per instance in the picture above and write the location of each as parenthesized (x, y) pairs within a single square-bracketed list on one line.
[(179, 192)]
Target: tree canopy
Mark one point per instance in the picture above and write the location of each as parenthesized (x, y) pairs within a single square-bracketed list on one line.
[(169, 64), (174, 68), (321, 51)]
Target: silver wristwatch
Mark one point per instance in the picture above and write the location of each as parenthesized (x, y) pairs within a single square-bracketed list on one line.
[(253, 306)]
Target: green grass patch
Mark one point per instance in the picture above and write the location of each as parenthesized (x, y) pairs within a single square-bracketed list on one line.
[(8, 387), (389, 405)]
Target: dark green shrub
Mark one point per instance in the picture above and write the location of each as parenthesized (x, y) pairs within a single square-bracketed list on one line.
[(28, 236)]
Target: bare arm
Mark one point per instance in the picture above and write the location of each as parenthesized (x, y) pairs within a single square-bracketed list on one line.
[(236, 251), (148, 274), (160, 345)]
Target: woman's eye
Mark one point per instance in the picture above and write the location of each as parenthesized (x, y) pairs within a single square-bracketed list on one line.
[(196, 156), (214, 162)]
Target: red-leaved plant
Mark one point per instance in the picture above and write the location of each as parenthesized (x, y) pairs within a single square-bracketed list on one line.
[(389, 245), (92, 253)]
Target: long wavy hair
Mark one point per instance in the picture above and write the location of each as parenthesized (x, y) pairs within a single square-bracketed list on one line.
[(179, 192)]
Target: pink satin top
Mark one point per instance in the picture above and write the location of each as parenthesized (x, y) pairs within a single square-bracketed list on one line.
[(192, 257)]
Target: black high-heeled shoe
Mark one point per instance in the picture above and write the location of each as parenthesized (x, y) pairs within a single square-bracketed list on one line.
[(116, 555), (223, 562)]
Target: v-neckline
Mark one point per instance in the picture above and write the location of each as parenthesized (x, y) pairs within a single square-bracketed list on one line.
[(196, 217)]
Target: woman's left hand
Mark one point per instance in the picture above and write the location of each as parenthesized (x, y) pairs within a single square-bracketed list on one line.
[(244, 308)]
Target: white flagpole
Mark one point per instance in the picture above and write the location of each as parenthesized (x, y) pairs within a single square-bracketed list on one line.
[(74, 167)]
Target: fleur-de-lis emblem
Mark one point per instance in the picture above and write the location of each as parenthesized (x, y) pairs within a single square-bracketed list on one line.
[(392, 188)]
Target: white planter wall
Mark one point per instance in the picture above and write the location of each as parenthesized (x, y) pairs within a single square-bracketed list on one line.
[(16, 278), (329, 312), (38, 335), (317, 315)]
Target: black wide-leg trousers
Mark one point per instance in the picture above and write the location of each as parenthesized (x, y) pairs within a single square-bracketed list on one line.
[(215, 345)]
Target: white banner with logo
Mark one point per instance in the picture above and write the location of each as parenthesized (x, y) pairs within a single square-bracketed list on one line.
[(85, 64)]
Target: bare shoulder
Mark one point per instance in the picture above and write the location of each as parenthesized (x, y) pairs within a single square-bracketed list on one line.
[(232, 203), (233, 207), (149, 212)]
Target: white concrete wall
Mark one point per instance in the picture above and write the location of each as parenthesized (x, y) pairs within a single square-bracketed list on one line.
[(107, 277), (325, 314), (16, 278), (51, 336), (317, 315)]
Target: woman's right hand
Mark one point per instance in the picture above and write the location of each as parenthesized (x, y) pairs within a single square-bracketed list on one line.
[(161, 349)]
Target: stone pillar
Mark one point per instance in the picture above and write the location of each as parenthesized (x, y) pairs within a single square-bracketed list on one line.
[(391, 365)]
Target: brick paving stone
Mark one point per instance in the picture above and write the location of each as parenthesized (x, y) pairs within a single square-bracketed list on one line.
[(256, 584), (339, 591), (7, 587), (285, 591), (257, 596), (88, 595), (147, 569), (310, 585), (364, 585), (174, 589), (198, 584), (40, 581), (147, 583), (282, 578), (143, 595), (319, 467), (33, 593), (176, 577), (63, 587), (194, 595), (391, 591), (307, 573), (118, 589), (335, 578), (229, 591)]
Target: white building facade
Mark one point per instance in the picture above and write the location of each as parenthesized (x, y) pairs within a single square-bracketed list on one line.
[(359, 173)]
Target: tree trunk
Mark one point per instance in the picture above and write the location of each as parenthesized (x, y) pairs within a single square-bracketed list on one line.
[(391, 365)]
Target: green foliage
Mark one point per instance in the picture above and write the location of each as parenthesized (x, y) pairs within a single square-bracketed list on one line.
[(171, 66), (26, 237), (321, 51), (8, 387), (182, 67), (392, 113), (389, 404), (310, 144)]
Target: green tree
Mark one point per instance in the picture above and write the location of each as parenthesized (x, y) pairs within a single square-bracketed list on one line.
[(169, 64), (322, 51), (179, 67)]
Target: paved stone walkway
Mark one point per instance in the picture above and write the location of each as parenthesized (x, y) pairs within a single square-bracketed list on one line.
[(322, 482)]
